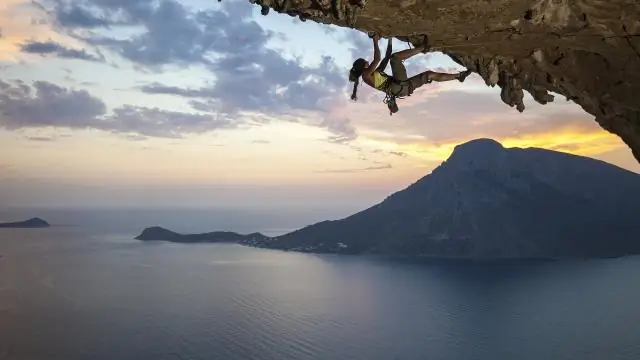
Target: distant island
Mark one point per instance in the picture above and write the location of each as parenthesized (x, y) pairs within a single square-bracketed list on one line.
[(157, 233), (27, 224), (486, 202)]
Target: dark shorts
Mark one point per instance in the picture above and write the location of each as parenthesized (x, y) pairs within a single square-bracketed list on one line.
[(397, 68), (401, 85)]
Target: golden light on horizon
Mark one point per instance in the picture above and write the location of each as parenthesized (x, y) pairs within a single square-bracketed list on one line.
[(573, 140)]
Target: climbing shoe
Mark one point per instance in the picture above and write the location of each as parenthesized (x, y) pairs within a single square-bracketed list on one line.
[(463, 75)]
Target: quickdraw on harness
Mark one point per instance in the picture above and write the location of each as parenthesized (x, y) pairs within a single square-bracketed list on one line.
[(390, 97)]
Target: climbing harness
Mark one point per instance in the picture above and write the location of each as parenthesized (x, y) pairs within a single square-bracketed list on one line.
[(390, 96), (390, 101)]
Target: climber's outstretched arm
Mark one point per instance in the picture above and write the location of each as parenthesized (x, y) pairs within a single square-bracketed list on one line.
[(387, 57), (376, 56)]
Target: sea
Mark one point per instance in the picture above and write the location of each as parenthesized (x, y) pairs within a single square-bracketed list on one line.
[(86, 289)]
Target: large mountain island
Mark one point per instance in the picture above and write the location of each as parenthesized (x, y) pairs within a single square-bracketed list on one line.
[(487, 201)]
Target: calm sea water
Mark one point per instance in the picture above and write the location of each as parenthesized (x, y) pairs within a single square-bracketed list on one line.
[(91, 292)]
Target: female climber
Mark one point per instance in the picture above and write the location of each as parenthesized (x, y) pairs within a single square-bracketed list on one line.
[(398, 84)]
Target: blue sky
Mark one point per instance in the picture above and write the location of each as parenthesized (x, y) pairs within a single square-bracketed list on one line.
[(193, 103)]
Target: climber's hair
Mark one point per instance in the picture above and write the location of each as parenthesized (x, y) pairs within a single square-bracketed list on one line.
[(354, 76)]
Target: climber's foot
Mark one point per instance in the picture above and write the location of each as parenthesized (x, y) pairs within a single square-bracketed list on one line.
[(463, 75)]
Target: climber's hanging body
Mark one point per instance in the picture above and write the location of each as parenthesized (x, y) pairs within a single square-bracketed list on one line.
[(398, 84)]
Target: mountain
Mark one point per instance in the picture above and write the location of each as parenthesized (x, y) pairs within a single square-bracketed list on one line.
[(157, 233), (487, 201), (31, 223)]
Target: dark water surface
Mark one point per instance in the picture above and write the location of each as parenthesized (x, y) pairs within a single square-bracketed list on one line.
[(68, 293)]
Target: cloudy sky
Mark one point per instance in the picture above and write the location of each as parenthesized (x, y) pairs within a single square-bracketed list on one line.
[(206, 103)]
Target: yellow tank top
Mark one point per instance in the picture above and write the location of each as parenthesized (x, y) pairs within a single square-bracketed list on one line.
[(378, 79)]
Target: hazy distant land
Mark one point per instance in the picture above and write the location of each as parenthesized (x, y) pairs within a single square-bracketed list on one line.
[(26, 224)]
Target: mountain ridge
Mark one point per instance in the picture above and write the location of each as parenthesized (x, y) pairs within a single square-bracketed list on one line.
[(486, 202), (452, 203)]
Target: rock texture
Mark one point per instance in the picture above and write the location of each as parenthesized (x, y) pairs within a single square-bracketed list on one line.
[(27, 224), (486, 202), (586, 50)]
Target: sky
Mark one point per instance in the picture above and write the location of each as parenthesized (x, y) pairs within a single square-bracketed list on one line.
[(200, 103)]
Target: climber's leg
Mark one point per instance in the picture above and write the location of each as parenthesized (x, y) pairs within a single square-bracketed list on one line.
[(405, 54), (429, 76), (440, 77), (417, 81), (398, 70)]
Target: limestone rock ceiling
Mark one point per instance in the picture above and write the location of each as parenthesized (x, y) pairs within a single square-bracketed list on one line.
[(586, 50)]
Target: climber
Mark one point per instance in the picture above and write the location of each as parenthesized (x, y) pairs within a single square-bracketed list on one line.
[(398, 84)]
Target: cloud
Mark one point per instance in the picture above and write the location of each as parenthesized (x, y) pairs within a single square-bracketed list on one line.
[(162, 123), (356, 170), (398, 153), (246, 74), (135, 137), (171, 33), (79, 16), (359, 43), (53, 48), (172, 36), (92, 14), (40, 138), (440, 115), (45, 104), (448, 111), (455, 114), (21, 23), (160, 89), (261, 141), (266, 83), (48, 105), (559, 131), (341, 129)]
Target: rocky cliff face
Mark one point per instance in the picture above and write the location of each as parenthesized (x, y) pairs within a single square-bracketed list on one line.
[(586, 50)]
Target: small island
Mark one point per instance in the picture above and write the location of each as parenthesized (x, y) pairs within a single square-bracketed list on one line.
[(26, 224), (157, 233)]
